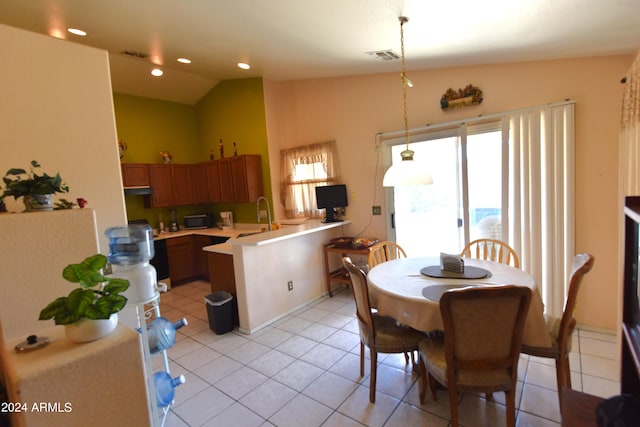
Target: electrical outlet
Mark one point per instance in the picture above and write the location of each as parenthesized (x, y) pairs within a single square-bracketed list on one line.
[(376, 210), (263, 213), (290, 285)]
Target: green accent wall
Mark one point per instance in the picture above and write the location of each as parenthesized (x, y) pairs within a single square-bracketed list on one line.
[(232, 111)]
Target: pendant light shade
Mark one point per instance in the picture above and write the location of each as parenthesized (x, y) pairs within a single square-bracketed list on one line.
[(408, 171)]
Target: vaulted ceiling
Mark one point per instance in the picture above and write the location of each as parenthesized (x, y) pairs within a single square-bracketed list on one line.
[(297, 39)]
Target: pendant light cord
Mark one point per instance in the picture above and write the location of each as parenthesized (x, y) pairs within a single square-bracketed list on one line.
[(403, 78)]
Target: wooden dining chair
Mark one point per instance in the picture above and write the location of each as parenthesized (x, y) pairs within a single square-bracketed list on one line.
[(480, 347), (491, 250), (384, 251), (380, 334), (561, 330), (387, 251)]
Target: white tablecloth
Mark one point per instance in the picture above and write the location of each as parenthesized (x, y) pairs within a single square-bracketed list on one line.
[(395, 290)]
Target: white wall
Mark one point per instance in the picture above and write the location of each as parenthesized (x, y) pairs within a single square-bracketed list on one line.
[(57, 108)]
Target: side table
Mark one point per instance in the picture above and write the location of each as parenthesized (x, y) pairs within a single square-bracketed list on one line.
[(339, 275)]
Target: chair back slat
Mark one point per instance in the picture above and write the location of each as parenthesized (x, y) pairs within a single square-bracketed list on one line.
[(385, 251), (582, 264), (491, 250)]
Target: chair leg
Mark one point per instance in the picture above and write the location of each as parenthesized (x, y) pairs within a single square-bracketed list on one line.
[(432, 386), (511, 407), (423, 379), (374, 371), (453, 403), (361, 359), (406, 357), (563, 376)]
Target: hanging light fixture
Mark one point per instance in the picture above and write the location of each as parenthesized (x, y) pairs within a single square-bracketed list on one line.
[(408, 171)]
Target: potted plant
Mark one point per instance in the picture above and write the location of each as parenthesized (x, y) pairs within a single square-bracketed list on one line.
[(37, 190), (90, 311)]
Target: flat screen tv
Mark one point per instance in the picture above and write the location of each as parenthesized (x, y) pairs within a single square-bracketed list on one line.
[(330, 197)]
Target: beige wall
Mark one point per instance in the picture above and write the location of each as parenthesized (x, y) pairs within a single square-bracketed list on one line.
[(352, 110), (56, 107)]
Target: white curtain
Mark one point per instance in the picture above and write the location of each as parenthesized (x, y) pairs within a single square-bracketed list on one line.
[(630, 133), (302, 170), (541, 197)]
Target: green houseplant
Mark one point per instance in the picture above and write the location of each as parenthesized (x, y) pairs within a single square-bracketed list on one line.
[(97, 298), (32, 187)]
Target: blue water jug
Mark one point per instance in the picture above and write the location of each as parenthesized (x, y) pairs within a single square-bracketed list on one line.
[(162, 333), (165, 387)]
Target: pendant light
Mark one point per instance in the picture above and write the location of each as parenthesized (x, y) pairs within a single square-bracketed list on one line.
[(408, 171)]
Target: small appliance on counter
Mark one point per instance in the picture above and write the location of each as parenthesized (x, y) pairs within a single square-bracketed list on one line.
[(227, 219), (173, 222), (198, 221)]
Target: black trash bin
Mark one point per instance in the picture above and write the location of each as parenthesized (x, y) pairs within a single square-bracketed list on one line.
[(221, 311)]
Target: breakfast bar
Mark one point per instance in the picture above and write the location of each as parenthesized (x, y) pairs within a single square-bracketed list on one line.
[(277, 272)]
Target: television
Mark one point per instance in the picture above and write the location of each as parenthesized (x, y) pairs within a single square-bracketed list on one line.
[(330, 197)]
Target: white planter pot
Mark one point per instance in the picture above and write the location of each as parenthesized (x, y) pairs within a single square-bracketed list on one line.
[(86, 330), (38, 202)]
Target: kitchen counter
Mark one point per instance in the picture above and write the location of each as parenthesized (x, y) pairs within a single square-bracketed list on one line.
[(217, 232), (268, 237)]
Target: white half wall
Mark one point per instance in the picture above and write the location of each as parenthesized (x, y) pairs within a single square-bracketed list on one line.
[(57, 108)]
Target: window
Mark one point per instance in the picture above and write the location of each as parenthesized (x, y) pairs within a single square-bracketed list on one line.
[(514, 179), (303, 169)]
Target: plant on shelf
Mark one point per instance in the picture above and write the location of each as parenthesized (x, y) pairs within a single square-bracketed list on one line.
[(98, 297), (32, 186)]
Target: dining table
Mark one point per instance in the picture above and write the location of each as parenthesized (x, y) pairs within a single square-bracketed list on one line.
[(409, 290)]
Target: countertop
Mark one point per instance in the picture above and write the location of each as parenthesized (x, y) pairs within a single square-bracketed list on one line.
[(267, 237), (217, 232)]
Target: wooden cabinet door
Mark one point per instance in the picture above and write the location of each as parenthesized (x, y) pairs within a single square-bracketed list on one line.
[(182, 189), (161, 180), (180, 254), (200, 264), (213, 181), (226, 180), (135, 174), (199, 180), (246, 172)]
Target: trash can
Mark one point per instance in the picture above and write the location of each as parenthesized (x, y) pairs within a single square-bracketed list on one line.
[(221, 311)]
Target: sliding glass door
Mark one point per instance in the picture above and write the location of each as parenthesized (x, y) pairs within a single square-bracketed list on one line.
[(467, 198)]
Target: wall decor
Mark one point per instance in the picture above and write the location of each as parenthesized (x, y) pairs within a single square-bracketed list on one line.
[(451, 99)]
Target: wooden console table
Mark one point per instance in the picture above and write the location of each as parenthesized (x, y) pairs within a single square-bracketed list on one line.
[(339, 275)]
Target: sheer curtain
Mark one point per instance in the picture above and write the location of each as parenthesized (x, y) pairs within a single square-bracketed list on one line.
[(303, 169), (541, 197), (630, 133)]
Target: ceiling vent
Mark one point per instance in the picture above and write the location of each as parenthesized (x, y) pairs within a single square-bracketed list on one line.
[(384, 55), (136, 54)]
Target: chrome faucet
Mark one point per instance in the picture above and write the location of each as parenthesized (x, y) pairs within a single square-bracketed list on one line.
[(261, 198)]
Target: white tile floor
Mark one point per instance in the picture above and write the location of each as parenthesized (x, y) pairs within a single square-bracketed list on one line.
[(303, 371)]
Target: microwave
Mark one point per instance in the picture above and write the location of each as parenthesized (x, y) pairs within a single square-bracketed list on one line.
[(198, 221)]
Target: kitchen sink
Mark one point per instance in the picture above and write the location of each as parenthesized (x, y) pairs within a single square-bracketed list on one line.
[(248, 234)]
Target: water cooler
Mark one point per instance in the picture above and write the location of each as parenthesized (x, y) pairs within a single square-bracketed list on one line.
[(130, 250)]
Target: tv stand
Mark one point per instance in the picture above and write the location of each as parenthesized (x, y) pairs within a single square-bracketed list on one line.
[(331, 216)]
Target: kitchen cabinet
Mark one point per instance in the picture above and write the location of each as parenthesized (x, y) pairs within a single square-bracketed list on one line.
[(201, 268), (181, 259), (135, 174), (235, 179), (246, 178), (161, 181), (213, 181), (221, 273), (226, 180), (182, 185), (199, 187)]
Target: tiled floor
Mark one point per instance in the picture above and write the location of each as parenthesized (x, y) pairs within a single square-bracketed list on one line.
[(303, 371)]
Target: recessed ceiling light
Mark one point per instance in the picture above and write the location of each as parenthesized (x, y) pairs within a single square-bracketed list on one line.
[(77, 32), (184, 60), (244, 65), (157, 72)]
